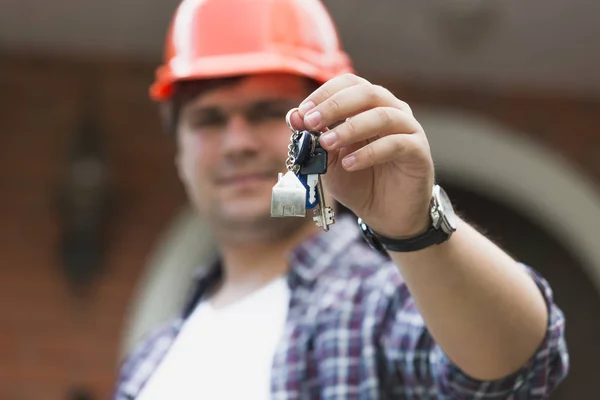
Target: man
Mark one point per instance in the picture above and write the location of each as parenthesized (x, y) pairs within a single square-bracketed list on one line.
[(290, 311)]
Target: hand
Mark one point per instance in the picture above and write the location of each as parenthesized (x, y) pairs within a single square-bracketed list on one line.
[(380, 164)]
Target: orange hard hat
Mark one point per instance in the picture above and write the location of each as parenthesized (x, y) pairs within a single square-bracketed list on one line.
[(221, 38)]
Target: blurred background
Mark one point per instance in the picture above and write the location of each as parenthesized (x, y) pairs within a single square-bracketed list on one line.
[(98, 243)]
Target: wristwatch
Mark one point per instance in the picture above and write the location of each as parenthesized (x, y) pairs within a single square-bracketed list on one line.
[(442, 227)]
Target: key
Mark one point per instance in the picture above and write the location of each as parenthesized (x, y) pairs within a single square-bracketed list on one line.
[(311, 181), (316, 162), (288, 198), (304, 147), (323, 215), (313, 167), (304, 180), (300, 188), (311, 159)]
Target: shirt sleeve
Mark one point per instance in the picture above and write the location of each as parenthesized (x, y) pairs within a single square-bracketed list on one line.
[(420, 369)]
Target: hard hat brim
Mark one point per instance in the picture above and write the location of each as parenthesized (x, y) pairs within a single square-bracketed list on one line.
[(238, 65)]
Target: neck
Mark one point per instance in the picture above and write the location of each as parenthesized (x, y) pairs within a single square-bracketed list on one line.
[(251, 260)]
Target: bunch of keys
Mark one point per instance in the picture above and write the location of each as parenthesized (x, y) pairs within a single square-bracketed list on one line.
[(300, 188)]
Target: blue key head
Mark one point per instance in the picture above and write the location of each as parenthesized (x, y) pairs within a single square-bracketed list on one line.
[(303, 180)]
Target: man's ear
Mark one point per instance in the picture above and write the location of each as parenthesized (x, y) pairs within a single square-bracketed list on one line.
[(168, 115), (178, 165)]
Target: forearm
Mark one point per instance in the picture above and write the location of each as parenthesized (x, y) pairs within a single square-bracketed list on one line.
[(481, 307)]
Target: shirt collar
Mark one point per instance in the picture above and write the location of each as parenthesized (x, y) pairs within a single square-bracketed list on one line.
[(317, 253)]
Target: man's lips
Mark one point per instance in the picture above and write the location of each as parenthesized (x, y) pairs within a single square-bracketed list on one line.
[(245, 179)]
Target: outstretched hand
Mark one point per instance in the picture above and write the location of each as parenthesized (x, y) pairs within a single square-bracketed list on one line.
[(380, 164)]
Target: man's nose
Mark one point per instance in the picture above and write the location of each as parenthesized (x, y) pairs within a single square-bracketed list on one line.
[(239, 136)]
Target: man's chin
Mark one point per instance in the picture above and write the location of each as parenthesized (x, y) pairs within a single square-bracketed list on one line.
[(243, 218), (241, 213), (256, 222)]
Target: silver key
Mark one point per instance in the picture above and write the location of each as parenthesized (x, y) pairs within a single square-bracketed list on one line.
[(312, 181), (324, 216), (288, 198)]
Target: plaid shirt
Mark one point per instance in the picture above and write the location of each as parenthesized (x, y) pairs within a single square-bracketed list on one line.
[(354, 332)]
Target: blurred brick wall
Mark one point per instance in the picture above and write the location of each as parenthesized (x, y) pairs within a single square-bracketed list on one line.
[(51, 340)]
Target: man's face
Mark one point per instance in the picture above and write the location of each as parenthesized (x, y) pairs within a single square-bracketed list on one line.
[(232, 143)]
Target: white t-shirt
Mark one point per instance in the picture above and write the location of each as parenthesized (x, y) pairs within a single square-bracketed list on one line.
[(224, 353)]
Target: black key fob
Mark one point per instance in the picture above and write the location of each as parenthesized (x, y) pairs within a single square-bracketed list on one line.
[(316, 162), (304, 147)]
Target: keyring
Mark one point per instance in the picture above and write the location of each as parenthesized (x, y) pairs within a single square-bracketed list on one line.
[(288, 117)]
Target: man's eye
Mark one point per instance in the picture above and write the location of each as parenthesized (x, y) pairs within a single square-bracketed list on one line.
[(207, 121), (266, 114)]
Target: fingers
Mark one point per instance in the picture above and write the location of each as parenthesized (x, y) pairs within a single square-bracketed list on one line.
[(379, 121), (368, 111), (340, 98), (328, 89), (348, 103), (296, 121), (321, 94), (383, 150)]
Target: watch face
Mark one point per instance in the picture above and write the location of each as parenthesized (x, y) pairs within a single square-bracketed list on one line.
[(446, 208)]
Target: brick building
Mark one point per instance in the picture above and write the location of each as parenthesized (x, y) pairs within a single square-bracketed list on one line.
[(55, 340)]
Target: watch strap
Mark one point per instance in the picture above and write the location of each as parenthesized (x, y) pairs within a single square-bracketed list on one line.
[(381, 243), (430, 237)]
